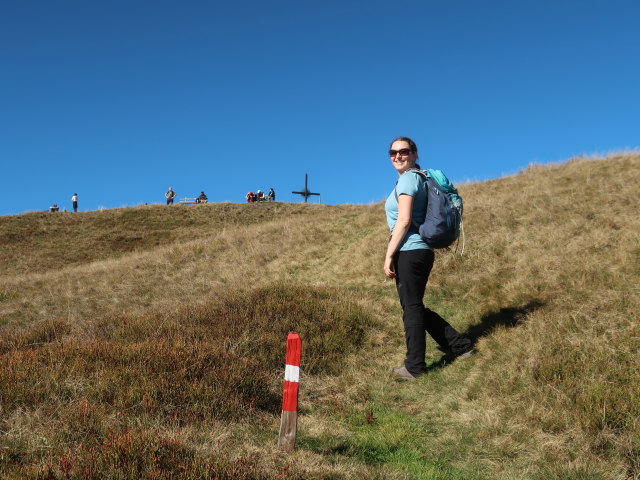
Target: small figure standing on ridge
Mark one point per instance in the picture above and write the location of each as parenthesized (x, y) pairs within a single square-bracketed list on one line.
[(170, 195), (74, 201), (271, 196), (202, 198)]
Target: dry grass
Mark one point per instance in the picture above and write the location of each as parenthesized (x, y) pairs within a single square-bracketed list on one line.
[(547, 289), (42, 241), (115, 399), (252, 246)]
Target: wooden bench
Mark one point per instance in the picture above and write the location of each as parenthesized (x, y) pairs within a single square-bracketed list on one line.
[(190, 201)]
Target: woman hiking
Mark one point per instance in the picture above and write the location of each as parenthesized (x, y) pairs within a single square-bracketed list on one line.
[(409, 261)]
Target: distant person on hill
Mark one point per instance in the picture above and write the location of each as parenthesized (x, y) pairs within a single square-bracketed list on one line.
[(409, 260), (251, 197), (202, 198), (271, 196), (54, 208), (74, 201), (170, 195), (259, 195)]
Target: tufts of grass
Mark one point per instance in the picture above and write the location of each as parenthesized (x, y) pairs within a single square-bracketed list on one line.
[(134, 453), (42, 333), (184, 369)]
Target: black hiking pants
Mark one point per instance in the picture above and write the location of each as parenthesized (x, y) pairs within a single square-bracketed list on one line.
[(412, 272)]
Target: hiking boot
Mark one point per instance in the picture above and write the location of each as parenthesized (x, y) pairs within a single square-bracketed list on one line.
[(449, 357), (466, 354), (401, 373)]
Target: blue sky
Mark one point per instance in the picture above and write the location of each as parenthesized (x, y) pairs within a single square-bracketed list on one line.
[(118, 100)]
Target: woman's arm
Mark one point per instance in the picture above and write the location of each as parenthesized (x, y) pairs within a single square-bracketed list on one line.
[(405, 206)]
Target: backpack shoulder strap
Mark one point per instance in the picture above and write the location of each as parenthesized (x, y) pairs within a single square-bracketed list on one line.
[(421, 173), (425, 176)]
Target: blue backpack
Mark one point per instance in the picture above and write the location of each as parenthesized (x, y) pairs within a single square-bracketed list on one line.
[(443, 222)]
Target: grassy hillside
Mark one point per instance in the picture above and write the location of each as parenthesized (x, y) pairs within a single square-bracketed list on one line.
[(149, 342), (40, 241)]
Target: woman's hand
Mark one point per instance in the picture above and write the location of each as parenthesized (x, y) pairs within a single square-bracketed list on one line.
[(389, 271)]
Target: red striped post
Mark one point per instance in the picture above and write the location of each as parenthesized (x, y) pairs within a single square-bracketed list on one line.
[(289, 421)]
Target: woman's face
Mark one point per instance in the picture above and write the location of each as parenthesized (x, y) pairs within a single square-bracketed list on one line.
[(402, 158)]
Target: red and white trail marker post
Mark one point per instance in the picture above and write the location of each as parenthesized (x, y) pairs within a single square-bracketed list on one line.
[(289, 421)]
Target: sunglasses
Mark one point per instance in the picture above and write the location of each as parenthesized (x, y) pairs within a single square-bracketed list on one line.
[(403, 152)]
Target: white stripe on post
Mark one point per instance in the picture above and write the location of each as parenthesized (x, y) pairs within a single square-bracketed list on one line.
[(291, 373)]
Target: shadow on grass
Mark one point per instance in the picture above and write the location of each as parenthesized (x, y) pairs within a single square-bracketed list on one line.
[(505, 317), (371, 453)]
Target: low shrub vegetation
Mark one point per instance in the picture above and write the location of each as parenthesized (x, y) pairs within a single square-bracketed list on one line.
[(99, 398)]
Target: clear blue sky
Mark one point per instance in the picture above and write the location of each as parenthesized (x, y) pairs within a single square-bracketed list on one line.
[(118, 100)]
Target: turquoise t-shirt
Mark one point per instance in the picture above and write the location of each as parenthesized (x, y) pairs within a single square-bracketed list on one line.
[(409, 183)]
